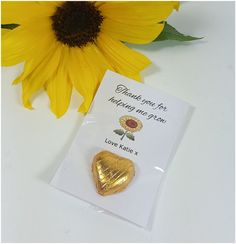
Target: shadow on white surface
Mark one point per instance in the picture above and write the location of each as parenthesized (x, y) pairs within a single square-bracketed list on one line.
[(50, 171)]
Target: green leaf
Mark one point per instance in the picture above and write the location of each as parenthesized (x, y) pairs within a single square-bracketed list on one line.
[(130, 136), (170, 33), (9, 26), (119, 132)]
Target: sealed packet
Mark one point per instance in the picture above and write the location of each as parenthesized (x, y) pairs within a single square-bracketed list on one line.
[(123, 148)]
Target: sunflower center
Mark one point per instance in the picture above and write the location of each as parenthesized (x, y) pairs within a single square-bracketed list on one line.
[(77, 23), (131, 123)]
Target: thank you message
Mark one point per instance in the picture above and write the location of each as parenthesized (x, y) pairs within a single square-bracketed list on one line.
[(143, 104)]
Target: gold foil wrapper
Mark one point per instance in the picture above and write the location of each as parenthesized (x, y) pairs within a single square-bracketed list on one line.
[(111, 173)]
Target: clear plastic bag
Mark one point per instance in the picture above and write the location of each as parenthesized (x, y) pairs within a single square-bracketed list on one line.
[(150, 145)]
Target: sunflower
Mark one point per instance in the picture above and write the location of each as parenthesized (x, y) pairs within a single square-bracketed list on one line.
[(130, 123), (66, 45)]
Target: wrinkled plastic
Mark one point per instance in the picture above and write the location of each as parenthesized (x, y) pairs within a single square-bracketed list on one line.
[(139, 145), (148, 174)]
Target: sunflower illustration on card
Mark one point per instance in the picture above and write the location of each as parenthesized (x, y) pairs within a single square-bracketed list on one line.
[(130, 125)]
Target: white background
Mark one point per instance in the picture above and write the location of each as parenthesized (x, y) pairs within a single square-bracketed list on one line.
[(196, 203)]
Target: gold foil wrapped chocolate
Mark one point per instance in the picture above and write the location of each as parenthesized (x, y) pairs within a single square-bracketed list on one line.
[(111, 173)]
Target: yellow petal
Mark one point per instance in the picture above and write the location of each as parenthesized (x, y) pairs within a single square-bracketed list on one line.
[(41, 74), (176, 5), (59, 87), (23, 11), (21, 43), (122, 59), (135, 22), (86, 69), (14, 49), (138, 34), (41, 50), (84, 78), (98, 3), (4, 31), (138, 13), (96, 60), (59, 90)]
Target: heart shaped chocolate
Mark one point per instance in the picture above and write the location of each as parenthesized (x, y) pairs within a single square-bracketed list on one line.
[(111, 173)]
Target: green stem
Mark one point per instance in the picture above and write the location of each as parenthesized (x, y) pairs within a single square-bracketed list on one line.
[(123, 136), (9, 26)]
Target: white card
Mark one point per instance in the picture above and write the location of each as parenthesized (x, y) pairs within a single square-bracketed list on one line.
[(163, 119)]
